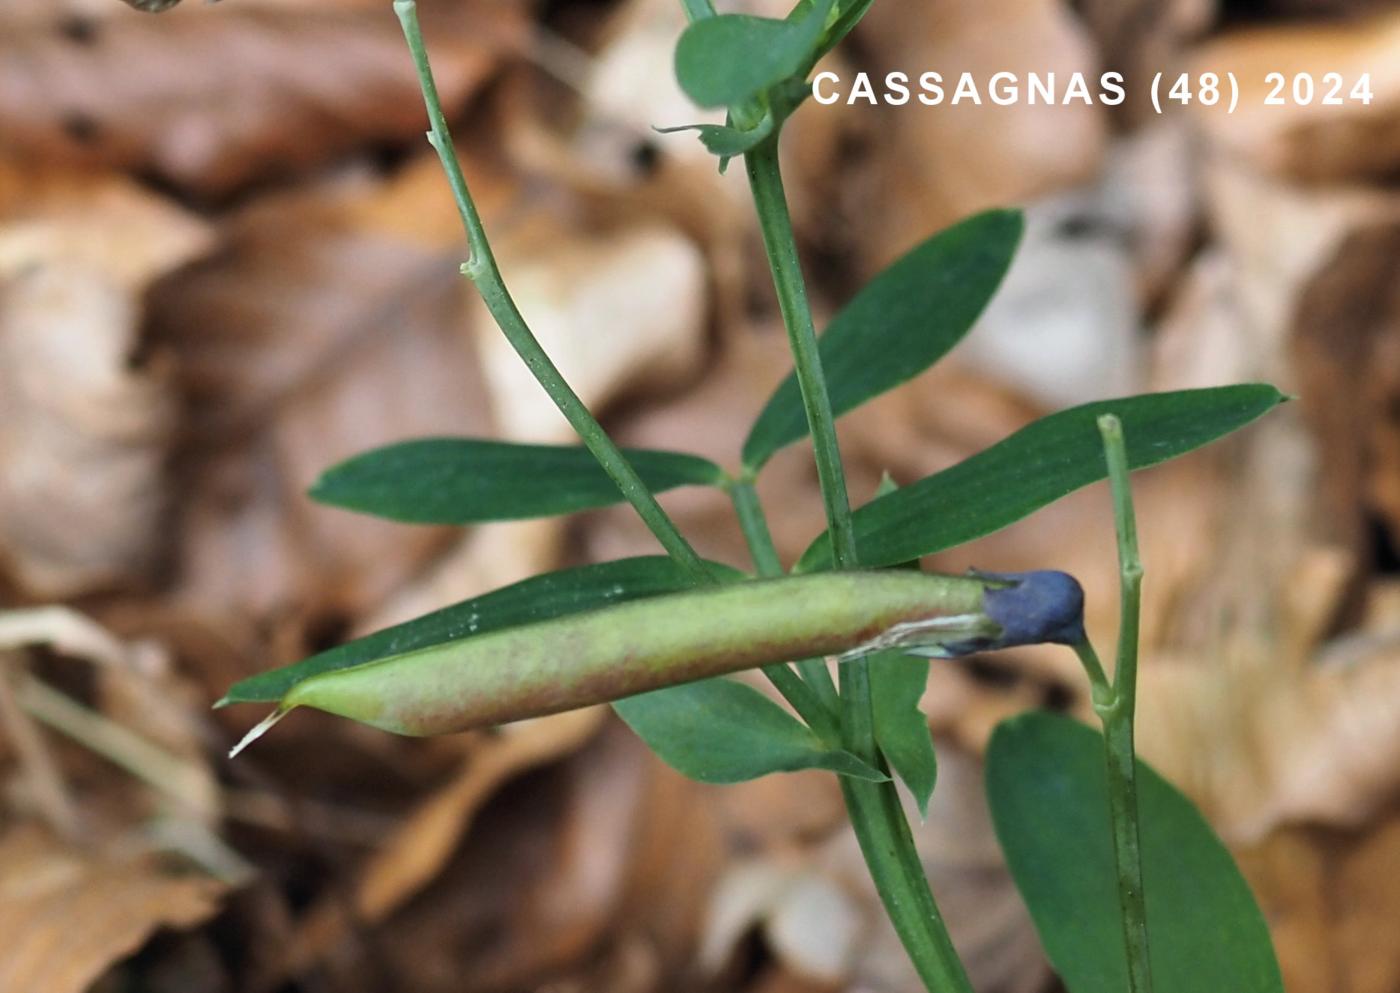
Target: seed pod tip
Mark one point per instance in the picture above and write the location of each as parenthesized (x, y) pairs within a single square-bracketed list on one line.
[(1036, 607), (259, 729)]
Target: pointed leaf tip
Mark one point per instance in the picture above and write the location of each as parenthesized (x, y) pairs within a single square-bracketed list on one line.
[(1044, 461), (901, 323)]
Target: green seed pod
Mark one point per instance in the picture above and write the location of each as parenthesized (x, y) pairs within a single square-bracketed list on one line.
[(617, 651)]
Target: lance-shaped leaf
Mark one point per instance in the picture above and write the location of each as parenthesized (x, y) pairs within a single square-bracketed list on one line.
[(903, 321), (731, 59), (720, 731), (1049, 799), (1036, 466), (466, 480), (897, 684), (539, 598)]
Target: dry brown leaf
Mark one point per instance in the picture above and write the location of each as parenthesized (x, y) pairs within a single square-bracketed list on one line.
[(414, 854), (1314, 141), (811, 925), (1140, 37), (1300, 764), (1196, 343), (1064, 325), (986, 918), (537, 892), (668, 885), (1245, 705), (1332, 904), (939, 164), (618, 311), (103, 223), (330, 324), (1259, 746), (571, 875), (711, 420), (1277, 236), (77, 400), (211, 96), (628, 89), (336, 321), (622, 312), (68, 915), (145, 719), (1346, 343), (1151, 192), (38, 785)]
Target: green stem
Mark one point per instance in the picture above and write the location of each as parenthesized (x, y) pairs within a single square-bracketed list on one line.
[(813, 694), (1101, 688), (1127, 849), (482, 270), (754, 524), (766, 182), (898, 873), (888, 846), (875, 809), (1117, 717), (697, 10)]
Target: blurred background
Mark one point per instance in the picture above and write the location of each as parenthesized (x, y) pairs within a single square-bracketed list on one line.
[(228, 260)]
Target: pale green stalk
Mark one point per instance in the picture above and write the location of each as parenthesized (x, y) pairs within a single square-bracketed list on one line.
[(754, 524), (766, 182), (1117, 715), (698, 10), (482, 270)]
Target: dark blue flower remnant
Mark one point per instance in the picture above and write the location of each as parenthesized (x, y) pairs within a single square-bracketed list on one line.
[(1031, 608)]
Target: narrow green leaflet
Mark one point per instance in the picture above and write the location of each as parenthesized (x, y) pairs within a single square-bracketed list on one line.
[(1049, 800), (539, 598), (466, 480), (897, 684), (731, 59), (698, 10), (1036, 466), (902, 322), (720, 731)]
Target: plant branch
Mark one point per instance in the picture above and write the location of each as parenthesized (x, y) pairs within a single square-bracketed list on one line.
[(1101, 688), (482, 270), (766, 182), (898, 873), (876, 812), (1117, 717), (754, 524), (697, 10)]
